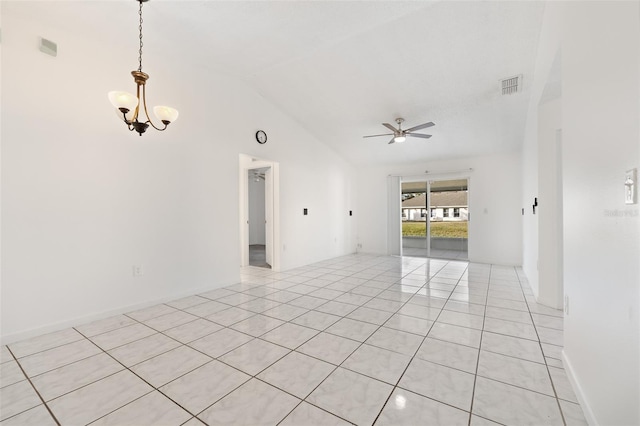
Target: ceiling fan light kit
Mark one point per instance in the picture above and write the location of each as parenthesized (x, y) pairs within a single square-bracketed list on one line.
[(128, 106), (400, 135)]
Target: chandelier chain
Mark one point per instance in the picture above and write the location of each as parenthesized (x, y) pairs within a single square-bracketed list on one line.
[(140, 30), (131, 108)]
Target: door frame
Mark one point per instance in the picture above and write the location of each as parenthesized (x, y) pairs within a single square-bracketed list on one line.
[(272, 203)]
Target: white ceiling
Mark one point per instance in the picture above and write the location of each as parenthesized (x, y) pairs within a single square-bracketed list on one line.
[(341, 68)]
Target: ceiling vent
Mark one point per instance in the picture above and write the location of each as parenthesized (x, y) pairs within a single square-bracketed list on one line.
[(511, 85)]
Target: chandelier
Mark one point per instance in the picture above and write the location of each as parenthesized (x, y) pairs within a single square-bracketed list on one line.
[(130, 107)]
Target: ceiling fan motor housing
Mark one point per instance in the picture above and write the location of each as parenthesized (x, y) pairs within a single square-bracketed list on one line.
[(399, 135)]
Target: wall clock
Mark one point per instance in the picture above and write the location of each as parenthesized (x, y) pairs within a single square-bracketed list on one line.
[(261, 137)]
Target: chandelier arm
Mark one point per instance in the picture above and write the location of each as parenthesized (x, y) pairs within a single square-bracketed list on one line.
[(137, 110), (128, 123), (124, 118), (144, 103)]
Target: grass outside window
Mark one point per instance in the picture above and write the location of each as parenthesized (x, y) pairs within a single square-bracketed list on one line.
[(438, 229)]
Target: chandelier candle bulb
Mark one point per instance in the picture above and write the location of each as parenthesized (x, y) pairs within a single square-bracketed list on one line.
[(165, 114), (123, 100)]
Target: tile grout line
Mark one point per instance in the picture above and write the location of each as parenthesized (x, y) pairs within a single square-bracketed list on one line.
[(391, 272), (102, 351), (475, 376), (255, 375), (55, 419), (140, 377), (44, 350), (339, 365), (553, 386), (336, 366), (418, 349), (64, 365)]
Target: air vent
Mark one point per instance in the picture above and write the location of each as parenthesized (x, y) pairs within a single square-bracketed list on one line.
[(511, 85), (48, 47)]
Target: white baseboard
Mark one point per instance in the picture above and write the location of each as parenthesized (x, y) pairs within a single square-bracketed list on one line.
[(50, 328), (577, 389)]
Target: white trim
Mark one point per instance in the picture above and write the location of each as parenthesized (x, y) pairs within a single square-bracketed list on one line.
[(428, 207), (273, 193), (394, 216), (428, 178), (577, 389), (75, 322)]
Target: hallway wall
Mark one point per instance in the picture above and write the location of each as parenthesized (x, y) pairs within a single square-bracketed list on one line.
[(549, 210), (601, 110), (600, 136)]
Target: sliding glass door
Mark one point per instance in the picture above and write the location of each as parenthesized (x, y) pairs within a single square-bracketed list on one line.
[(435, 217), (414, 219), (449, 219)]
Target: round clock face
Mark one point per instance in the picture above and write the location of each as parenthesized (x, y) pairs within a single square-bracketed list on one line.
[(261, 136)]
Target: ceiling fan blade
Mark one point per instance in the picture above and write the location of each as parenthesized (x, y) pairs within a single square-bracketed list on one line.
[(390, 127), (421, 126), (375, 136), (418, 135), (393, 140)]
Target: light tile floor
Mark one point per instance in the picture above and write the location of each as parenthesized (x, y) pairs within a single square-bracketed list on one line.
[(359, 339), (435, 253)]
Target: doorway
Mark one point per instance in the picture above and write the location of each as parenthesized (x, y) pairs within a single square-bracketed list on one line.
[(259, 213), (435, 218), (256, 179)]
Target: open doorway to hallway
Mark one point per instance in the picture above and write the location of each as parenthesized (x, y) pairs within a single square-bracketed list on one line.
[(435, 216), (259, 213), (256, 179)]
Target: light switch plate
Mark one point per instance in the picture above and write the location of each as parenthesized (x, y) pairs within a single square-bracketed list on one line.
[(631, 187)]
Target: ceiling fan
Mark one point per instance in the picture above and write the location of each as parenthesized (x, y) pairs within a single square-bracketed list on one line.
[(257, 175), (400, 135)]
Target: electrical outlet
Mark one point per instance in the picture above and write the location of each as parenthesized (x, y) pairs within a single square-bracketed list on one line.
[(566, 304), (138, 270)]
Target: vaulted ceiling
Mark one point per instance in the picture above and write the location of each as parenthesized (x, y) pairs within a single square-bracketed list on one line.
[(341, 68)]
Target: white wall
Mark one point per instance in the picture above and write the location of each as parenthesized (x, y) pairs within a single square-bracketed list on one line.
[(601, 141), (83, 199), (327, 189), (256, 210), (549, 211), (600, 48), (548, 51), (494, 205)]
